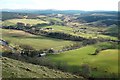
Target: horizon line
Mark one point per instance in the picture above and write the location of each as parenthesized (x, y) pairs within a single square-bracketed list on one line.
[(54, 9)]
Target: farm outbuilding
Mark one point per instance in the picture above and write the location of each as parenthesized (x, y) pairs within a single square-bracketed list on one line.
[(43, 54)]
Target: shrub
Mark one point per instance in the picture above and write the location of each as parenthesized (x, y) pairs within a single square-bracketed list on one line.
[(51, 50)]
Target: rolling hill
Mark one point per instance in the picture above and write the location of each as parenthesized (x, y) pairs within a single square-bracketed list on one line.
[(13, 22), (17, 69), (80, 43), (17, 37), (104, 64)]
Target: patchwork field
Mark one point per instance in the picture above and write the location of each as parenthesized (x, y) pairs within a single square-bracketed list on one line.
[(59, 51), (89, 32)]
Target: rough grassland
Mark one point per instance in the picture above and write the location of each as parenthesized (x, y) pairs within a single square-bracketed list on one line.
[(16, 69)]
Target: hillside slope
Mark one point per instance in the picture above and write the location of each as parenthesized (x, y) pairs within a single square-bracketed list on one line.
[(104, 64), (17, 69)]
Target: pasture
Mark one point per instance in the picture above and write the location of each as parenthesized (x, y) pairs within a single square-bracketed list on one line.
[(17, 69), (85, 57), (53, 19), (12, 22), (17, 37), (88, 33), (104, 64)]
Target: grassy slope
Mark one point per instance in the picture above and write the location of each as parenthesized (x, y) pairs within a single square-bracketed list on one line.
[(37, 42), (86, 35), (106, 61), (17, 69), (49, 18), (58, 28), (53, 19), (27, 21)]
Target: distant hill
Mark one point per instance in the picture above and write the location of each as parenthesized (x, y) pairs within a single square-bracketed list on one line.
[(93, 18), (48, 11), (11, 15), (99, 18)]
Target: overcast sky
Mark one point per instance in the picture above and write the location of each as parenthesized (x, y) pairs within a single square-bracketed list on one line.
[(87, 5)]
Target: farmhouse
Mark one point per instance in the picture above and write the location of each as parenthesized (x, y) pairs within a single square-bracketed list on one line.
[(41, 55)]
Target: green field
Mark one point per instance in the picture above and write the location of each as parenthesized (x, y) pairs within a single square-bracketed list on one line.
[(69, 30), (38, 42), (12, 22), (57, 28), (90, 32), (16, 69), (53, 19), (49, 18), (104, 64)]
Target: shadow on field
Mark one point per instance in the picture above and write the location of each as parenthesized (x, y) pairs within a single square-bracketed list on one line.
[(84, 70), (36, 37), (43, 61)]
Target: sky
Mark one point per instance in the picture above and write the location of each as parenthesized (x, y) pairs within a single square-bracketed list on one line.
[(87, 5)]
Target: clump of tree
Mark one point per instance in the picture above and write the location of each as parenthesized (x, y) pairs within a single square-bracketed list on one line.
[(71, 47), (28, 51), (6, 52), (31, 52), (51, 50), (105, 46), (61, 35), (89, 41), (42, 25)]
